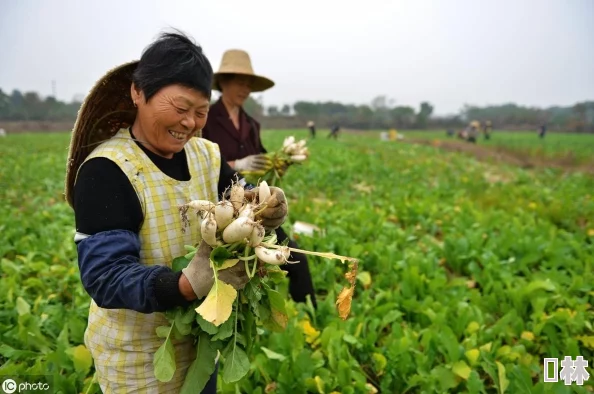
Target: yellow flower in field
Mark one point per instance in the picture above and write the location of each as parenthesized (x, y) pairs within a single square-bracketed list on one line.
[(591, 232), (532, 205)]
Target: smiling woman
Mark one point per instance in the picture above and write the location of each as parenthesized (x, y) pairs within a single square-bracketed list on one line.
[(132, 162)]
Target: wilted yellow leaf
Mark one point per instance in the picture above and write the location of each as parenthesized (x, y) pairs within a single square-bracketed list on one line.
[(344, 301), (280, 318), (311, 334), (228, 264), (526, 359), (81, 358), (270, 388), (370, 388), (472, 355), (218, 304), (461, 369), (527, 335), (350, 276), (503, 382), (359, 329), (587, 340), (472, 327), (363, 187), (319, 384), (380, 362), (365, 278), (503, 351)]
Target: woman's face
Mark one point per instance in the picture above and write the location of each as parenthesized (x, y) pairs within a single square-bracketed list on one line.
[(237, 89), (171, 117)]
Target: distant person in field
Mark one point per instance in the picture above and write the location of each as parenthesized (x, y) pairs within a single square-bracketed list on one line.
[(133, 161), (542, 130), (238, 136), (334, 132), (487, 129), (312, 128), (473, 131)]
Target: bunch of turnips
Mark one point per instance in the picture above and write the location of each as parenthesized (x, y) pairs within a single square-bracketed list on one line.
[(292, 152), (233, 237)]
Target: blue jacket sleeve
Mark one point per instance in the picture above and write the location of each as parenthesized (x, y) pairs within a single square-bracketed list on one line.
[(112, 274)]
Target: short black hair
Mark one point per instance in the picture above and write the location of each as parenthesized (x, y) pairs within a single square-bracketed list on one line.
[(173, 59)]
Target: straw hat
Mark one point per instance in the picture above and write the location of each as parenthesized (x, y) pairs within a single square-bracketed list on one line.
[(107, 108), (237, 61)]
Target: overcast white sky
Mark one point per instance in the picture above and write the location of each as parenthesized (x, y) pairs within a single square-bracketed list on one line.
[(449, 52)]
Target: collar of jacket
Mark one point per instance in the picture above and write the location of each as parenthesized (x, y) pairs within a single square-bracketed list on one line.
[(219, 113)]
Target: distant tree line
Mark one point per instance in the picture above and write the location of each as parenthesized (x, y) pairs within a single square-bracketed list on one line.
[(381, 113), (29, 106)]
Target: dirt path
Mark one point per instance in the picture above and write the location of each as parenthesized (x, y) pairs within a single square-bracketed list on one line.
[(508, 156)]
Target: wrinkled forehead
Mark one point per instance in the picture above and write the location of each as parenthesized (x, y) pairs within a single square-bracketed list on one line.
[(183, 94)]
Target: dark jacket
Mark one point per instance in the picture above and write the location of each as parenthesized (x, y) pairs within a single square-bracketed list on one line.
[(233, 144)]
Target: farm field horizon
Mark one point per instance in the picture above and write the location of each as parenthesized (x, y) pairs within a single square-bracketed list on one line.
[(471, 271)]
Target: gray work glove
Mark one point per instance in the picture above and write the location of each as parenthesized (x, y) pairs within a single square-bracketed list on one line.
[(253, 163), (201, 275), (276, 211)]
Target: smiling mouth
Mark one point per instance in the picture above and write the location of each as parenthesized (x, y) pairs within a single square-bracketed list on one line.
[(177, 136)]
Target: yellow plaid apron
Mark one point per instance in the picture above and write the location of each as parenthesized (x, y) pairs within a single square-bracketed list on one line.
[(123, 342)]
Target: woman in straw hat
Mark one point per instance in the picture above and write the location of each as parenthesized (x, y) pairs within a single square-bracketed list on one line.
[(238, 136), (132, 162)]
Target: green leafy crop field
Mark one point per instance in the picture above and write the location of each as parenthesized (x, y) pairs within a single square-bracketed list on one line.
[(576, 148), (470, 273)]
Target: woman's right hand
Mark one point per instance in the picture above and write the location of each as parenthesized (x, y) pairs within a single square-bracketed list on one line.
[(253, 163), (185, 288), (200, 275)]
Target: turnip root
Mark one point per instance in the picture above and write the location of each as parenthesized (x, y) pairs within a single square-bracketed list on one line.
[(247, 211), (264, 192), (298, 158), (224, 211), (208, 229), (200, 205), (257, 235), (239, 229), (237, 196), (288, 141), (273, 256)]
